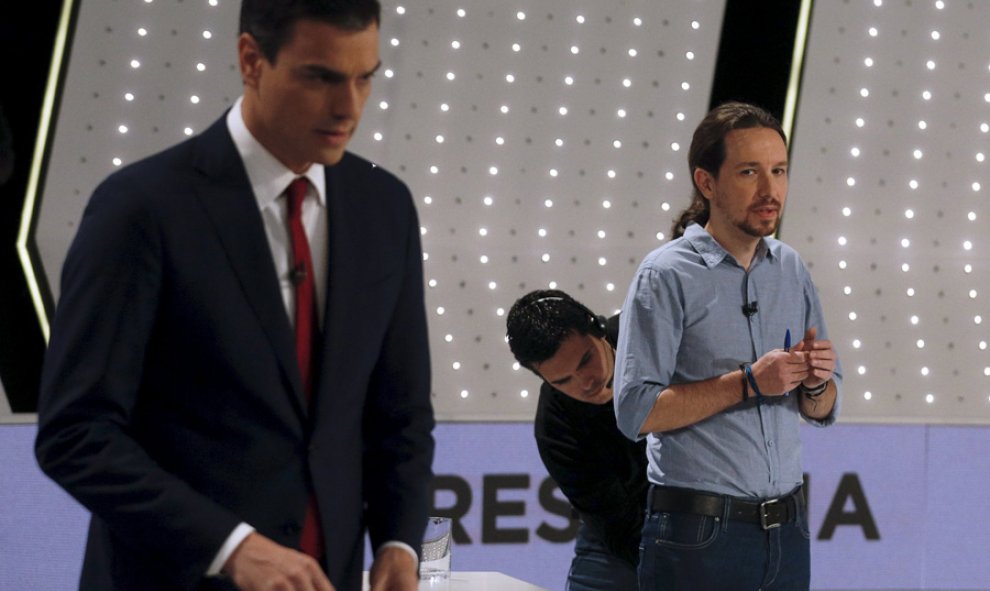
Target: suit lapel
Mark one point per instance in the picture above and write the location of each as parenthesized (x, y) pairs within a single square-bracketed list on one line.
[(229, 201)]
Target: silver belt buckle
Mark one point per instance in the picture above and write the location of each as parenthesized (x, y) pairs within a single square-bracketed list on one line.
[(763, 514)]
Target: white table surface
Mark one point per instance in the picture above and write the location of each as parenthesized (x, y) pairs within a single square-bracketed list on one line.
[(473, 581)]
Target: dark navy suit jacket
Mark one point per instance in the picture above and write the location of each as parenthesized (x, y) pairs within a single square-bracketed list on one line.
[(171, 404)]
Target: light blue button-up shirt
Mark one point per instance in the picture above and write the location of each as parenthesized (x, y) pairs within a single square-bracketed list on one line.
[(683, 322)]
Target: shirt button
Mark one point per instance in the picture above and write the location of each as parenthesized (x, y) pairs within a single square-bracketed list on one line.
[(770, 442)]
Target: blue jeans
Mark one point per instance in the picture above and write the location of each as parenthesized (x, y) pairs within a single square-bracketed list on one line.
[(682, 551), (594, 568)]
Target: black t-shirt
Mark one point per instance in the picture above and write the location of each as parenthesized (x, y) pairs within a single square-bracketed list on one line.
[(601, 473)]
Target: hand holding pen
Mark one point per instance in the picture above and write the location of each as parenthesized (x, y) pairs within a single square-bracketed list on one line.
[(777, 372)]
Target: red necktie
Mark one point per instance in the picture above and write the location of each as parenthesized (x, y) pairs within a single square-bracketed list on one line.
[(301, 273)]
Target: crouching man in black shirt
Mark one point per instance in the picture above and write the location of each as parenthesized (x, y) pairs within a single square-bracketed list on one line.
[(602, 473)]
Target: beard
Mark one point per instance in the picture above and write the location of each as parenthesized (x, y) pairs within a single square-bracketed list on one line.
[(757, 228), (760, 229)]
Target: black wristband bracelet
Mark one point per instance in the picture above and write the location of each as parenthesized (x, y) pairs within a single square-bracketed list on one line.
[(745, 385), (816, 391)]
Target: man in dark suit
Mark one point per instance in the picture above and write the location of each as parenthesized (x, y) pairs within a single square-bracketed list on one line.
[(236, 397), (602, 473)]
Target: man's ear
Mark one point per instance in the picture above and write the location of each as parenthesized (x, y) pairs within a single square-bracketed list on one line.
[(250, 60), (705, 182)]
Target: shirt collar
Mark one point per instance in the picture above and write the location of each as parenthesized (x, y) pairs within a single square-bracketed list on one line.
[(712, 252), (268, 177)]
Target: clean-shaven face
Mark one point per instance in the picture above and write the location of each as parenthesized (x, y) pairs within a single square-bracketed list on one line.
[(305, 107), (582, 368)]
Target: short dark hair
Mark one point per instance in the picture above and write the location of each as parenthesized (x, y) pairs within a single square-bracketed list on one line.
[(540, 321), (708, 151), (270, 22)]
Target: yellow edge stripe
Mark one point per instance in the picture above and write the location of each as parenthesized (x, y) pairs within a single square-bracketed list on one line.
[(797, 62), (27, 214)]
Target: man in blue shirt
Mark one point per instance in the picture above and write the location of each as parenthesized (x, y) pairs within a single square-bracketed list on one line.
[(706, 371)]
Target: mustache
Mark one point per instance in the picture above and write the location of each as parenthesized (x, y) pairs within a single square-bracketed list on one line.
[(765, 202)]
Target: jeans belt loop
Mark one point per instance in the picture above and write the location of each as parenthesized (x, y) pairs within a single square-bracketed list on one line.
[(763, 514)]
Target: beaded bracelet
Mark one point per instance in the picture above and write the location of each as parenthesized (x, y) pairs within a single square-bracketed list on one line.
[(816, 391)]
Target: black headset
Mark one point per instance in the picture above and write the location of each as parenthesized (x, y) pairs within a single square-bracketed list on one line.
[(597, 322)]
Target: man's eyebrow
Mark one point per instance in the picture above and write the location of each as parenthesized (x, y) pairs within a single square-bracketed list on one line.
[(754, 163), (336, 74)]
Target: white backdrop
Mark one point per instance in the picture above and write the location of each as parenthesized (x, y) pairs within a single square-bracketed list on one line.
[(889, 186), (544, 143)]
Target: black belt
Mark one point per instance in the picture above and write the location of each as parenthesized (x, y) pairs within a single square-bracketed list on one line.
[(768, 514)]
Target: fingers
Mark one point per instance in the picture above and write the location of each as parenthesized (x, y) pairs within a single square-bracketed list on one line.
[(779, 372), (394, 569), (260, 564)]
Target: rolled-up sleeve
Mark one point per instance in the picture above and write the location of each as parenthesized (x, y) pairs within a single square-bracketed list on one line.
[(649, 338), (816, 318)]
